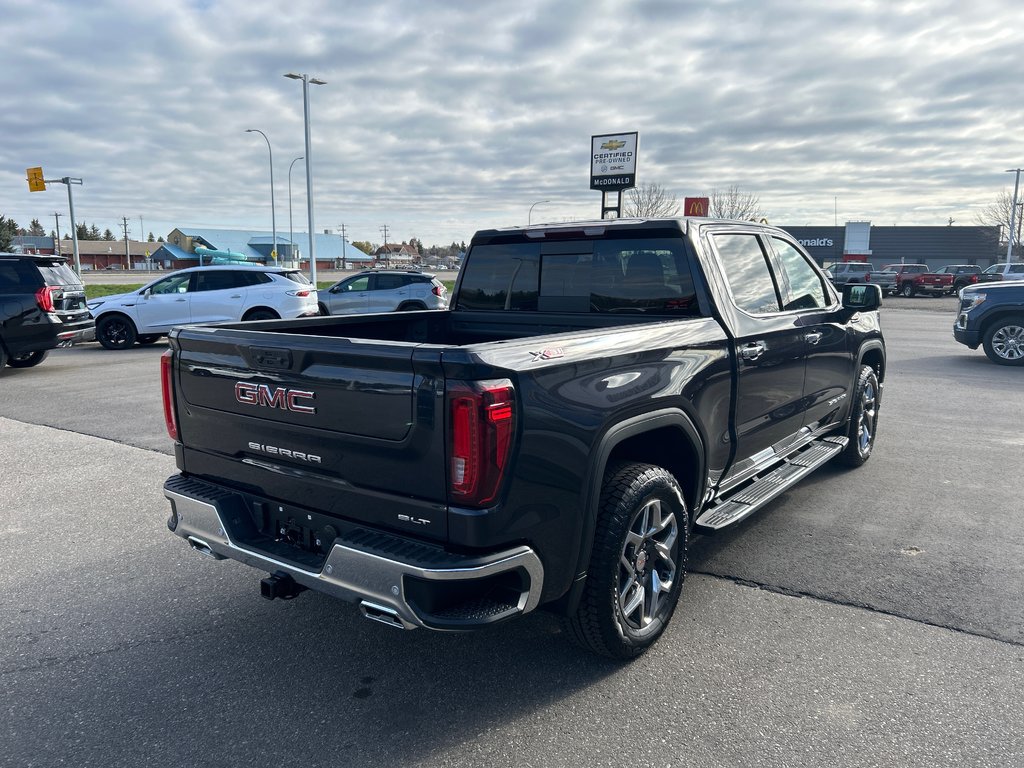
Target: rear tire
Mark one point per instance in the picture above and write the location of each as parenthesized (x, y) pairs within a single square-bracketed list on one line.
[(863, 419), (261, 314), (27, 360), (638, 564), (1004, 341), (116, 332), (410, 306), (3, 356)]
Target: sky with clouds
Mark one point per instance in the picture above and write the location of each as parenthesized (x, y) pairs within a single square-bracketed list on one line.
[(439, 118)]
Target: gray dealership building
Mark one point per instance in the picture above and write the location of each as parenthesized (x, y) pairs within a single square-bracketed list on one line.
[(880, 245)]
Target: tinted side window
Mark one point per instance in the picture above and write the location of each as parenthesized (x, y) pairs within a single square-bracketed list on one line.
[(172, 284), (746, 269), (10, 277), (802, 288), (219, 280), (356, 284), (502, 277), (388, 282)]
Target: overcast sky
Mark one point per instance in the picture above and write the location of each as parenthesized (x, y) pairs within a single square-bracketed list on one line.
[(440, 118)]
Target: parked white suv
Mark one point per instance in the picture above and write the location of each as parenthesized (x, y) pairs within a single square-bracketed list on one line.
[(385, 290), (201, 295)]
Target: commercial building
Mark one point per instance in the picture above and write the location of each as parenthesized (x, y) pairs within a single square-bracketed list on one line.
[(880, 245)]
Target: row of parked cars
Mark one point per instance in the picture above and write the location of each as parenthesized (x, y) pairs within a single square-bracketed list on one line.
[(913, 279), (44, 304)]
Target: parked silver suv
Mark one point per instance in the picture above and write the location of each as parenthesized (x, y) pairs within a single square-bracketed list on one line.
[(385, 290)]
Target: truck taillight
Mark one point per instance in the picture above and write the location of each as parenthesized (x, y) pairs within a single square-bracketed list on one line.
[(45, 297), (166, 372), (482, 422)]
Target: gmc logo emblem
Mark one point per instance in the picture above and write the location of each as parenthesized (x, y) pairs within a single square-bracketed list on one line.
[(274, 397)]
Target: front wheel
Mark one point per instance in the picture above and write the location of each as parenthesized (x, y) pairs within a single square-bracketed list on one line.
[(1004, 341), (907, 290), (116, 332), (28, 360), (863, 419), (638, 563)]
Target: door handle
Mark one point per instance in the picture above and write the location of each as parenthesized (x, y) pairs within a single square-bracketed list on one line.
[(814, 337), (181, 299), (753, 350), (235, 296)]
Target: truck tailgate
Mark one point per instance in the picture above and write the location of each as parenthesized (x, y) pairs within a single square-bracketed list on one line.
[(351, 428)]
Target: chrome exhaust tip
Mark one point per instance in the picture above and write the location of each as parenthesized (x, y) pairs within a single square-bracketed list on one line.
[(203, 548), (383, 614)]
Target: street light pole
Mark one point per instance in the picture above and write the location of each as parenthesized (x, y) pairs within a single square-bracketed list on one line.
[(273, 211), (306, 80), (529, 217), (291, 236), (1013, 214)]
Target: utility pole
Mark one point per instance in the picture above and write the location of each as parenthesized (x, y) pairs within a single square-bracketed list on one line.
[(56, 220), (342, 246), (127, 252), (387, 251), (1013, 215)]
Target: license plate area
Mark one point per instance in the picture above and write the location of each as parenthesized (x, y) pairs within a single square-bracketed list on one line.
[(285, 531), (300, 529)]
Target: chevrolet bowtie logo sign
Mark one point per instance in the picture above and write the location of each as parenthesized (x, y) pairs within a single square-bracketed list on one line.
[(613, 145)]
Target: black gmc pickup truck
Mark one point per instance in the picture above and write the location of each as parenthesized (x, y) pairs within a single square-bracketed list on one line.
[(597, 393)]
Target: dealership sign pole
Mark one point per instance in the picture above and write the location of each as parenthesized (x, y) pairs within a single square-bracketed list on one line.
[(613, 167)]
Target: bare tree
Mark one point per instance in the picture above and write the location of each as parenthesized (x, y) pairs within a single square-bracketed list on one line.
[(998, 214), (651, 201), (732, 203)]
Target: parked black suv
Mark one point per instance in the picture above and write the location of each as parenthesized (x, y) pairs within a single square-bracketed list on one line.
[(42, 306)]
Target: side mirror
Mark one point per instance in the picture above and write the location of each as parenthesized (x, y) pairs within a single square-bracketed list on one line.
[(863, 297)]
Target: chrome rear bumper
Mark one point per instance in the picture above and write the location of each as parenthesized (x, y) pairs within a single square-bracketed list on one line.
[(390, 579)]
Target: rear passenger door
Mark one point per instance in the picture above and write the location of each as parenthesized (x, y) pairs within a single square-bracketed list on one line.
[(386, 292), (219, 295)]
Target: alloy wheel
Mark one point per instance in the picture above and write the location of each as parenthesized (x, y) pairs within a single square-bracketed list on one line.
[(647, 563), (1008, 342)]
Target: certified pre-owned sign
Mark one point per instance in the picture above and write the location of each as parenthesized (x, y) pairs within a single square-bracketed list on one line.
[(613, 161)]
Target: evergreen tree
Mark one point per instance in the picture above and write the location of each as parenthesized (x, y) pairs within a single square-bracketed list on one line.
[(8, 229), (107, 234), (94, 232), (151, 239), (81, 231), (160, 239), (36, 229)]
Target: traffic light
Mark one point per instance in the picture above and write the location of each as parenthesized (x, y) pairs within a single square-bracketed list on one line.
[(35, 180)]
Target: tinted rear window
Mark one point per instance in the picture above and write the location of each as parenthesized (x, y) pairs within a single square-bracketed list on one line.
[(29, 274), (650, 275), (58, 273), (296, 277)]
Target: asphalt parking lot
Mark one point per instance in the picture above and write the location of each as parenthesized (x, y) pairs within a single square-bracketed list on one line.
[(868, 617)]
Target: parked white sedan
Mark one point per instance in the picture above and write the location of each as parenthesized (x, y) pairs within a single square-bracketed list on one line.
[(202, 295)]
